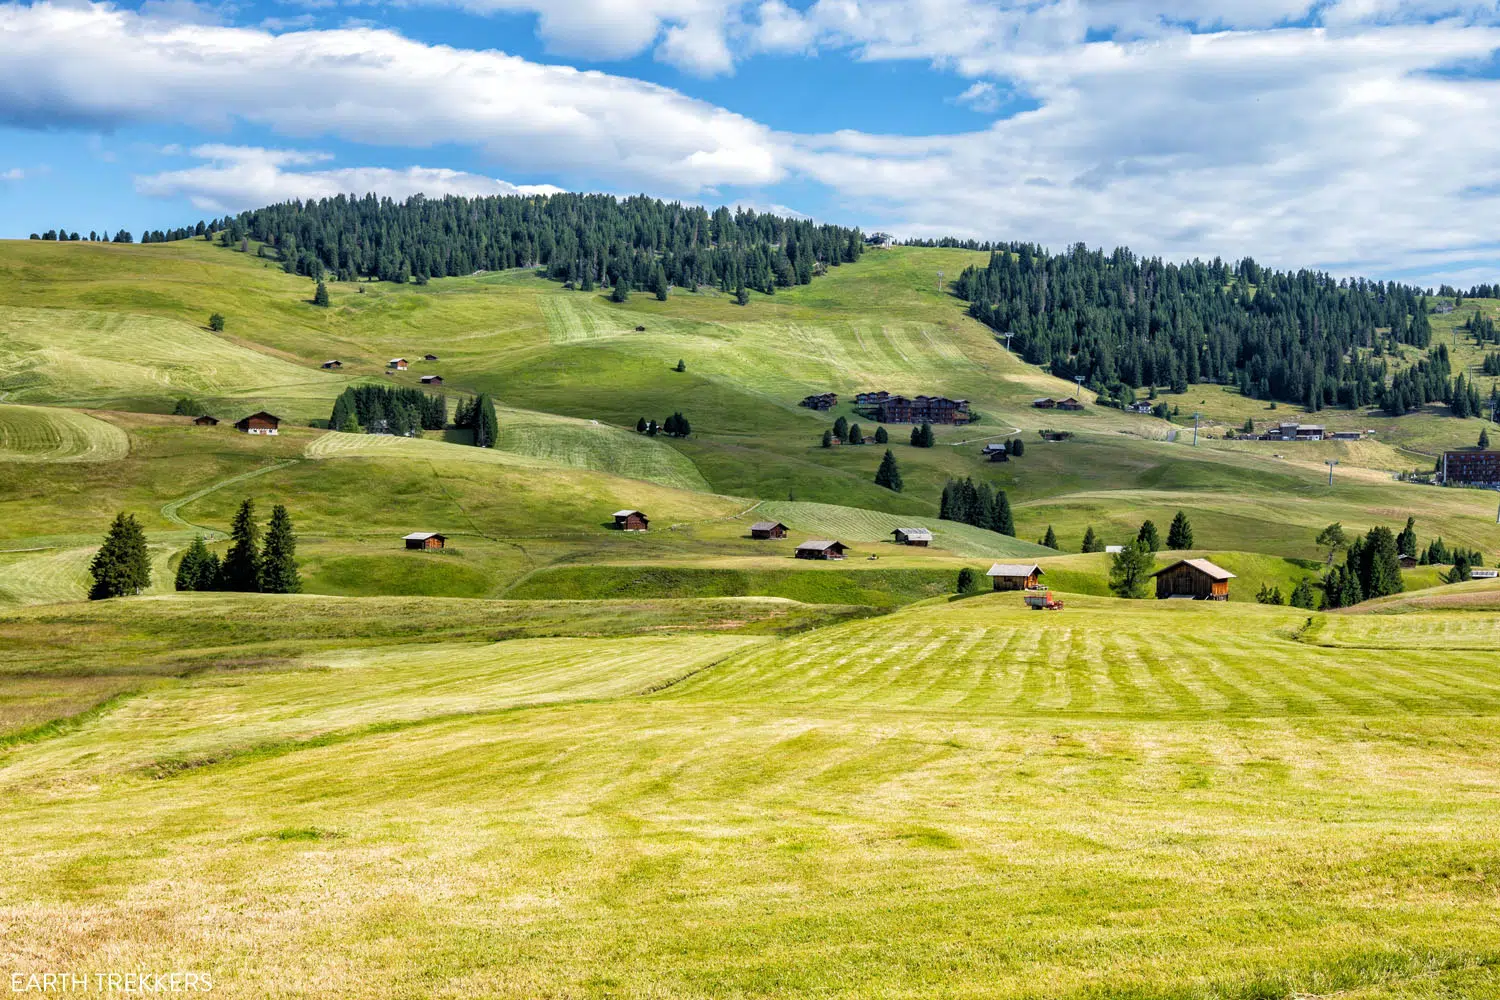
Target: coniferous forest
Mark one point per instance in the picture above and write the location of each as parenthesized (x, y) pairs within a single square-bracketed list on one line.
[(1124, 321), (592, 240)]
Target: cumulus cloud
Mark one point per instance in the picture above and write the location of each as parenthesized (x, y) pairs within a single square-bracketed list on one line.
[(98, 67), (239, 177), (983, 96)]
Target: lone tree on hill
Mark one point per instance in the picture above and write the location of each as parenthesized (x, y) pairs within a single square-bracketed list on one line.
[(1180, 534), (828, 439), (241, 567), (681, 365), (881, 437), (278, 560), (621, 292), (1484, 438), (967, 581), (889, 474), (1332, 538), (1050, 539), (121, 567), (216, 323), (1091, 542), (1148, 537), (199, 568), (320, 297), (1129, 571), (742, 295)]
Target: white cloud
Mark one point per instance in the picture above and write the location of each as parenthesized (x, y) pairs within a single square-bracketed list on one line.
[(983, 96), (241, 177), (13, 174), (95, 66)]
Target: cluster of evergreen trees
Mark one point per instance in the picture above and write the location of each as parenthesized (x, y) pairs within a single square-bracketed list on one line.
[(1116, 318), (922, 437), (379, 410), (982, 506), (854, 434), (674, 426), (249, 565), (478, 415), (62, 235), (1427, 381), (590, 240), (1371, 568)]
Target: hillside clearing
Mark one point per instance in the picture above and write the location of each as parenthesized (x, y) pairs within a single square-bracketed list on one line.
[(47, 434)]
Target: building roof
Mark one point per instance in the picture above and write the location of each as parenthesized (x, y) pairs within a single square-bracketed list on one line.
[(766, 525), (627, 513), (1014, 569), (259, 413), (819, 545), (915, 533), (396, 361), (1202, 566), (422, 536)]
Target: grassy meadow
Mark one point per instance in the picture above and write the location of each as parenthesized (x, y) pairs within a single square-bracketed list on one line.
[(558, 760)]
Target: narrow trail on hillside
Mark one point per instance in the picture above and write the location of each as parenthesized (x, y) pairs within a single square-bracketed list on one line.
[(170, 510)]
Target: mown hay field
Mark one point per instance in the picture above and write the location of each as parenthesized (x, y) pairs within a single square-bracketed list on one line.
[(958, 799), (47, 434)]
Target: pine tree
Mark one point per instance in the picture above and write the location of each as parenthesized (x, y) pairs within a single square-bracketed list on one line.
[(199, 568), (216, 323), (742, 295), (916, 437), (1091, 541), (1148, 537), (1002, 520), (1380, 564), (1484, 438), (1180, 534), (1015, 448), (1050, 539), (121, 567), (828, 439), (881, 437), (841, 429), (681, 365), (486, 424), (320, 297), (640, 426), (278, 562), (621, 292), (659, 284), (1303, 596), (240, 570), (928, 438), (856, 435), (889, 474), (1406, 542), (1129, 571), (967, 581)]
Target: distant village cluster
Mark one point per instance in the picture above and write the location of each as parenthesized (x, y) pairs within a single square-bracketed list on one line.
[(892, 408)]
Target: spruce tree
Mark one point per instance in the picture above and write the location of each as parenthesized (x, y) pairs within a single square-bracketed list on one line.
[(278, 560), (216, 323), (121, 567), (889, 474), (856, 436), (881, 437), (1016, 448), (1091, 541), (841, 429), (916, 437), (240, 570), (621, 292), (320, 297), (742, 295), (1380, 564), (659, 286), (640, 426), (199, 568), (1002, 521), (486, 424), (1148, 537), (1180, 534), (967, 581), (1484, 438), (1050, 539), (1406, 542), (828, 439)]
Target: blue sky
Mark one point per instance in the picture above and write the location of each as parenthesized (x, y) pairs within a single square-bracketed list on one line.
[(1351, 135)]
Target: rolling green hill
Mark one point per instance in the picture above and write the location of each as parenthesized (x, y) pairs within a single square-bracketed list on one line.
[(49, 434)]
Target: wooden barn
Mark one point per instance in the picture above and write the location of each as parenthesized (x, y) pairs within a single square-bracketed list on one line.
[(425, 540), (1193, 579), (1016, 576), (432, 380), (259, 423), (821, 550), (767, 529), (1069, 404), (995, 452), (429, 357), (919, 537), (631, 520), (399, 364), (333, 364), (206, 421), (1044, 403)]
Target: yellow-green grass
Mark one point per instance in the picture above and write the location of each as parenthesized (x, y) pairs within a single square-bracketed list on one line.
[(50, 575), (807, 583), (588, 444), (965, 799), (1472, 595), (46, 434), (122, 361), (852, 524)]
